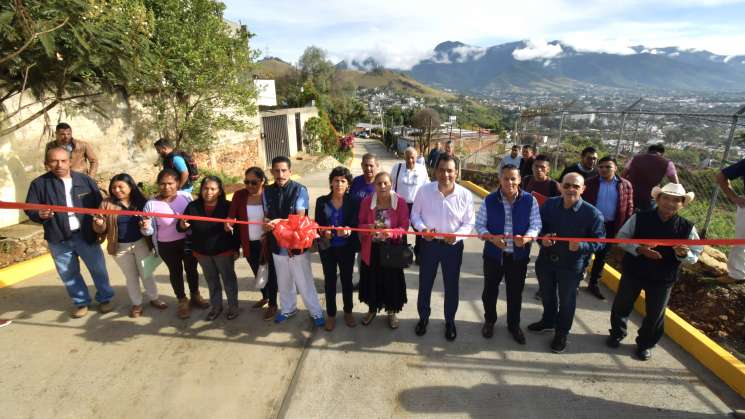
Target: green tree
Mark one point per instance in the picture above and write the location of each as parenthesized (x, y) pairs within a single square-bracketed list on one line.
[(63, 51), (316, 68), (427, 120), (200, 80), (344, 112)]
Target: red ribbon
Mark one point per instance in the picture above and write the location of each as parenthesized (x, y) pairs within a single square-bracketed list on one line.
[(305, 226)]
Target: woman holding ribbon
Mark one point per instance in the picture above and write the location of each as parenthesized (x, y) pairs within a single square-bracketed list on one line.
[(125, 242), (214, 248), (170, 243), (248, 205), (337, 247), (382, 287)]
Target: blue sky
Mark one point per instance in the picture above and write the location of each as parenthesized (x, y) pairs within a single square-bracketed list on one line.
[(400, 33)]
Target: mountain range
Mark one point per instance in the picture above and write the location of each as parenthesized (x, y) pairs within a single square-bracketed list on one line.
[(557, 67)]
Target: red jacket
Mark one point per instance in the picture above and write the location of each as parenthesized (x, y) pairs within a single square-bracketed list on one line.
[(400, 219), (625, 208), (238, 211)]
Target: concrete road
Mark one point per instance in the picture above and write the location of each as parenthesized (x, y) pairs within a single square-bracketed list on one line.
[(158, 366)]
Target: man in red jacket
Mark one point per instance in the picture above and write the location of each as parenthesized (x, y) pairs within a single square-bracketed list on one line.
[(614, 197)]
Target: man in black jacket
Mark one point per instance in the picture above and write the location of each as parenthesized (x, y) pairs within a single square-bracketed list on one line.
[(70, 235)]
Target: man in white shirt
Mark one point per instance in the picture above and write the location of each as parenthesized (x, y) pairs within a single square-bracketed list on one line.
[(441, 207), (513, 158), (407, 177)]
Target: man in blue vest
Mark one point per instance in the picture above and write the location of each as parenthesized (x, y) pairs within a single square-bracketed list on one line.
[(560, 263), (653, 269), (282, 198), (512, 218)]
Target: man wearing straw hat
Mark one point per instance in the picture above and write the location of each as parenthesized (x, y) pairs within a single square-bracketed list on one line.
[(652, 268)]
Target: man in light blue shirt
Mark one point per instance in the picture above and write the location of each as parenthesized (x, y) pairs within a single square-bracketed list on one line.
[(507, 221), (173, 159), (513, 158)]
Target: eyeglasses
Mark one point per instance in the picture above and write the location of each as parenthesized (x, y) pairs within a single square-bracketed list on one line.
[(252, 182), (571, 186)]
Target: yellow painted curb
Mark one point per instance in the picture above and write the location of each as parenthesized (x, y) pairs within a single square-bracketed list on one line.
[(22, 271), (478, 190), (723, 364)]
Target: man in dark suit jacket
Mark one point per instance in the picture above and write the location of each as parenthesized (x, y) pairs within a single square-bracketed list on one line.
[(614, 197)]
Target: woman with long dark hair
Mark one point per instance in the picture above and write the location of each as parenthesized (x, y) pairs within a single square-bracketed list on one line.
[(214, 248), (170, 243), (337, 248), (125, 242), (248, 205)]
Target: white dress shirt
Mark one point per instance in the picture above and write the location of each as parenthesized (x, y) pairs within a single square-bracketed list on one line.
[(406, 182), (444, 214)]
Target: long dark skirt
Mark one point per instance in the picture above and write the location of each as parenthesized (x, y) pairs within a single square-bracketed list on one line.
[(381, 288)]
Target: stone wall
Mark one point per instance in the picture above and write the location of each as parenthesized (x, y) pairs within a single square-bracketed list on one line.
[(122, 141)]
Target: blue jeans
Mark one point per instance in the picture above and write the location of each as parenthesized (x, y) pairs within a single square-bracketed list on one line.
[(434, 253), (66, 253), (559, 296)]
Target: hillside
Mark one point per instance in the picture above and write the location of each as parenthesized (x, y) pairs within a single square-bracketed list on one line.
[(273, 68), (393, 80)]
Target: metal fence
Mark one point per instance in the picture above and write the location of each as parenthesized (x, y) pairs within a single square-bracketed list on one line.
[(700, 144)]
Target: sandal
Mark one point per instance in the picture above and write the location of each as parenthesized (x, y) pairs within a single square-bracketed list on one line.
[(369, 317), (393, 320), (261, 303), (135, 311)]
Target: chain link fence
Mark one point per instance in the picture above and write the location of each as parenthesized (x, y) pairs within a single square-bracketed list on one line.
[(699, 143)]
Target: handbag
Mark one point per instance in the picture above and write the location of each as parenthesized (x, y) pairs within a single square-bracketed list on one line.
[(396, 255), (150, 263), (262, 276)]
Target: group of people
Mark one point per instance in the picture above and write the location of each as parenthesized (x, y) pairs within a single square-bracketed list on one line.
[(590, 201)]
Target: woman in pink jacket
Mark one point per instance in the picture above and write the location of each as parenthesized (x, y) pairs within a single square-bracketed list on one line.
[(381, 288)]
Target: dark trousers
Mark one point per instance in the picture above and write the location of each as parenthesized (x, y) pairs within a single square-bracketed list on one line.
[(514, 272), (433, 254), (559, 296), (599, 263), (269, 291), (343, 258), (178, 260), (657, 295), (215, 269)]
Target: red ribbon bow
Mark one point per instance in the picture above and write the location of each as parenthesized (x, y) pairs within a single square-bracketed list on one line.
[(296, 232)]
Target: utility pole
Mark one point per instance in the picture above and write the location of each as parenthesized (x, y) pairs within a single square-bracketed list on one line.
[(715, 195), (623, 123)]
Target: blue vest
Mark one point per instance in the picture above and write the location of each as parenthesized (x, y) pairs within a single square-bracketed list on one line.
[(521, 209)]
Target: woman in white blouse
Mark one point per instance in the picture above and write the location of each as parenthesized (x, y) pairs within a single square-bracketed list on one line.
[(247, 205)]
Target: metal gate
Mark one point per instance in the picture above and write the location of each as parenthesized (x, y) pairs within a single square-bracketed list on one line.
[(276, 142)]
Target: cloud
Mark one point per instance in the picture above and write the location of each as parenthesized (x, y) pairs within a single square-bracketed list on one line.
[(400, 33), (537, 49), (468, 52)]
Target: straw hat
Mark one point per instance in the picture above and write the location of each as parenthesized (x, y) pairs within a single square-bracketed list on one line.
[(673, 189)]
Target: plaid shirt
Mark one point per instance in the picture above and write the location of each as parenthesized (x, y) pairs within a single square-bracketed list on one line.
[(533, 229), (625, 205)]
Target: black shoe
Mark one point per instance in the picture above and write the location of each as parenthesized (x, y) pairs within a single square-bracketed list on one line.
[(613, 341), (537, 295), (488, 330), (594, 289), (539, 327), (559, 344), (643, 354), (213, 313), (450, 333), (421, 327), (518, 335)]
